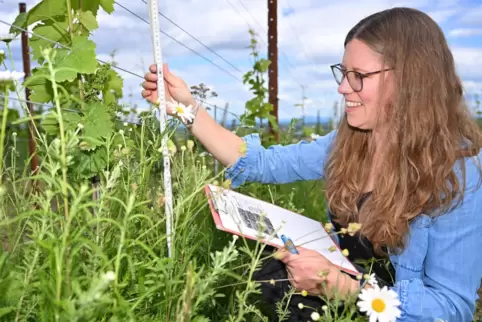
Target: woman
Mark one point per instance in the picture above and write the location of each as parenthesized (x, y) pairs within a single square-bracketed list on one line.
[(407, 148)]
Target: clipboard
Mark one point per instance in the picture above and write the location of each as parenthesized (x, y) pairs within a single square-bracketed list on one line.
[(265, 222)]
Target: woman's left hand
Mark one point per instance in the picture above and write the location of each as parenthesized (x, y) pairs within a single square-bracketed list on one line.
[(312, 272)]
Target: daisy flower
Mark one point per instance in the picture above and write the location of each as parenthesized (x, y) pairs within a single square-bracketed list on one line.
[(379, 304), (186, 113), (371, 279), (8, 76), (315, 316), (7, 38)]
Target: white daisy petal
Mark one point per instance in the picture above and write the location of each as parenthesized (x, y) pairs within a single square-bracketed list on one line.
[(379, 304), (7, 37), (8, 76)]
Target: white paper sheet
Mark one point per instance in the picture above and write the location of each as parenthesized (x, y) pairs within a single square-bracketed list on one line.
[(241, 214)]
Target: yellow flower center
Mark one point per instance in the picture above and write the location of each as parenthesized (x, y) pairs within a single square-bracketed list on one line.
[(378, 305), (179, 109)]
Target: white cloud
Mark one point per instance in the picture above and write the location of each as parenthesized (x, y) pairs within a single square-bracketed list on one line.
[(465, 32), (473, 87), (466, 59), (472, 16), (441, 16)]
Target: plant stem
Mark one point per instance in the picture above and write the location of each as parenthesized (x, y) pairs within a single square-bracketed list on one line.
[(71, 30), (2, 133), (63, 157)]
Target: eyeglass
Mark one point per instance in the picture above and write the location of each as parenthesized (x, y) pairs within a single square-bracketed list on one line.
[(355, 79)]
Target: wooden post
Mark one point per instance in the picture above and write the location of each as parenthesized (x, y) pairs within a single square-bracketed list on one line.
[(26, 69), (273, 57)]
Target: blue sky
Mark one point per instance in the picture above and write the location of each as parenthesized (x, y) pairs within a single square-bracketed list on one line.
[(311, 34)]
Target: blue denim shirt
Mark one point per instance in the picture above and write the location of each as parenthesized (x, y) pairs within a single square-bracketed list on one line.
[(439, 272)]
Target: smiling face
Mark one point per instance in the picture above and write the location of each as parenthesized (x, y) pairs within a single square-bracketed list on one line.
[(365, 109)]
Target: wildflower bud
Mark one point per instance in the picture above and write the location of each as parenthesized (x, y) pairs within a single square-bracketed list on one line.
[(304, 293), (345, 252), (227, 184), (171, 146), (190, 144), (301, 306), (109, 276), (328, 227), (353, 228), (183, 148), (272, 282), (14, 134), (315, 316)]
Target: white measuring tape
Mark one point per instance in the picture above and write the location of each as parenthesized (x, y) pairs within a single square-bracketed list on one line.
[(156, 46)]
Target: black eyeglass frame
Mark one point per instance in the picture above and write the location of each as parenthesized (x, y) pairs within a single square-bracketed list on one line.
[(360, 75)]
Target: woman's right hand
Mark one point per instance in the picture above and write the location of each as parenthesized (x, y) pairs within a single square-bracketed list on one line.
[(175, 88)]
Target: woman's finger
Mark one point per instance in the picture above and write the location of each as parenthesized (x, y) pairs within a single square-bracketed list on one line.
[(149, 85), (146, 93), (150, 77)]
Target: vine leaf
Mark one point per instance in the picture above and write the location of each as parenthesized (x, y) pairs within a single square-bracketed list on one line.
[(40, 85), (107, 5), (97, 121), (47, 9), (113, 87), (21, 22), (88, 20), (82, 59), (90, 5), (90, 163), (53, 30), (51, 125)]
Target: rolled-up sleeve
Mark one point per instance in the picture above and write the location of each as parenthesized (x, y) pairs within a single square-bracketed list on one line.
[(452, 272), (280, 163)]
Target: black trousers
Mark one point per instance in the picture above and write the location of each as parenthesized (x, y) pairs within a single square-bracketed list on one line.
[(275, 270), (272, 294)]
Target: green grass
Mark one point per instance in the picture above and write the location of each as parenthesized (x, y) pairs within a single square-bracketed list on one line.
[(106, 259)]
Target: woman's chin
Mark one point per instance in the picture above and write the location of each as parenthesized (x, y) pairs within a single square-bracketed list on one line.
[(357, 123)]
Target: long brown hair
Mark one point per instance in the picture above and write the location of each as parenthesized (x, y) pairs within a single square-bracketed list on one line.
[(428, 124)]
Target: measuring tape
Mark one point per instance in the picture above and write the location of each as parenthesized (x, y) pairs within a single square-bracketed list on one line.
[(156, 46)]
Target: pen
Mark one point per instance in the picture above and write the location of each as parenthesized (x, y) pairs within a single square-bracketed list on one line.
[(289, 245)]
